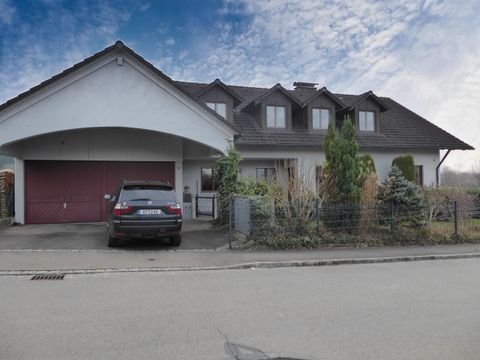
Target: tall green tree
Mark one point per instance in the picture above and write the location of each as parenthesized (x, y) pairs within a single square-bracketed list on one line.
[(341, 155)]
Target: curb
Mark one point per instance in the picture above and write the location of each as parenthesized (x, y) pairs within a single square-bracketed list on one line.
[(251, 265)]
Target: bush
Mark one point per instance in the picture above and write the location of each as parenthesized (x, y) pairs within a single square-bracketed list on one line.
[(226, 172), (403, 198), (439, 203), (406, 165), (283, 240), (252, 187), (366, 167)]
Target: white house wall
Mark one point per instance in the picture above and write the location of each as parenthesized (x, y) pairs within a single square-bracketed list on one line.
[(105, 94), (429, 160), (308, 159)]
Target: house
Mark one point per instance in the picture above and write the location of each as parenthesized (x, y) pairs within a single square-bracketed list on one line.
[(115, 116)]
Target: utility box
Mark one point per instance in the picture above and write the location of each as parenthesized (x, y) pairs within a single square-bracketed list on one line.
[(187, 205)]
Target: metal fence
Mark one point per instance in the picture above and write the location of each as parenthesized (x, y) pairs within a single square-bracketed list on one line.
[(258, 217)]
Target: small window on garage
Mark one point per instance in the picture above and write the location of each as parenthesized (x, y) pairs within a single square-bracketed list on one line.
[(208, 180)]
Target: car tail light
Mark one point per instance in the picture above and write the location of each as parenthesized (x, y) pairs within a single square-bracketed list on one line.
[(120, 210), (175, 209)]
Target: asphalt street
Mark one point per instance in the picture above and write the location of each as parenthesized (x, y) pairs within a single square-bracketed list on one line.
[(419, 310)]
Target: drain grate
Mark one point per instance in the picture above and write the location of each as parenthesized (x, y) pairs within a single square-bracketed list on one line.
[(48, 277)]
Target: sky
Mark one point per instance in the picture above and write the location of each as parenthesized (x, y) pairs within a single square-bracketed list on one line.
[(425, 54)]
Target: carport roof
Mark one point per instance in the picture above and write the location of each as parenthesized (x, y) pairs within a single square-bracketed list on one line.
[(119, 45)]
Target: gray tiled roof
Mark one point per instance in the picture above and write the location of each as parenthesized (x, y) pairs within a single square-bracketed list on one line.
[(400, 128)]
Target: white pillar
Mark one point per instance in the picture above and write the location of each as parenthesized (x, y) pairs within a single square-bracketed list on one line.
[(179, 181), (19, 191)]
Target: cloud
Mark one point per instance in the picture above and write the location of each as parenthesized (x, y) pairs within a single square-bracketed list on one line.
[(7, 11), (145, 7), (423, 54), (34, 51)]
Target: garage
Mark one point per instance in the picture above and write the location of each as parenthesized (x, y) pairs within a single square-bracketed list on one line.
[(72, 191)]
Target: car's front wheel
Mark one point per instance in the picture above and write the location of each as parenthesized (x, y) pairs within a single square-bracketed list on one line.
[(175, 240)]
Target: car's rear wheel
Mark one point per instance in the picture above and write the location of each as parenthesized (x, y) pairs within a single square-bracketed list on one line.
[(112, 242), (175, 240)]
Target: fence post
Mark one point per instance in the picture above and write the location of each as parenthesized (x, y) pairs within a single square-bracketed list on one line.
[(196, 205), (393, 214), (317, 215), (230, 220), (455, 218), (213, 206)]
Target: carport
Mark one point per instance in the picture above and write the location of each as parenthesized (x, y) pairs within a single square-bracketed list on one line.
[(111, 117)]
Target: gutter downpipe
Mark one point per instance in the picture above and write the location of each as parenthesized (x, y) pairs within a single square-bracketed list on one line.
[(437, 170)]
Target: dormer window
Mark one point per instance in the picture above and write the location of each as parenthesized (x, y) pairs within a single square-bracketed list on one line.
[(219, 107), (276, 117), (366, 121), (320, 118)]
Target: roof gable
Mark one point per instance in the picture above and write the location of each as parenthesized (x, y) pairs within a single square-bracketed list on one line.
[(324, 91), (120, 47), (218, 83), (274, 88), (370, 95)]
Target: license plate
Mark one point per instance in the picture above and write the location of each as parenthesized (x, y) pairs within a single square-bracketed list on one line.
[(150, 212)]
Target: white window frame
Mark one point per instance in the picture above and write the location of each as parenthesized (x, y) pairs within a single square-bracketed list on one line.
[(266, 174), (365, 119), (321, 119), (215, 105), (275, 113)]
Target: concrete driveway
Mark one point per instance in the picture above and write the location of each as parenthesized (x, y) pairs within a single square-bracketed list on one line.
[(196, 234)]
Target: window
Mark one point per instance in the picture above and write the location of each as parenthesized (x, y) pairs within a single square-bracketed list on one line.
[(419, 175), (219, 108), (320, 118), (208, 180), (265, 174), (276, 117), (366, 121)]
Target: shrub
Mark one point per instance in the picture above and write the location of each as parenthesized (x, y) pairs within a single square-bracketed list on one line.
[(368, 195), (252, 187), (439, 203), (283, 240), (366, 167), (403, 197), (294, 198), (226, 171), (406, 165)]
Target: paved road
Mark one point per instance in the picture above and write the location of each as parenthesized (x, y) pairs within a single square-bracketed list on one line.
[(422, 310)]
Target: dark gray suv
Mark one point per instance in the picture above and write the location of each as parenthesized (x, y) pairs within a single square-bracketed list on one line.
[(144, 209)]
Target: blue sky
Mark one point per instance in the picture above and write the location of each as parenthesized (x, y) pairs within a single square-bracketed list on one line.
[(423, 53)]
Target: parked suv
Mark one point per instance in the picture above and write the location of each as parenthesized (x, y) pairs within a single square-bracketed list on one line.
[(144, 209)]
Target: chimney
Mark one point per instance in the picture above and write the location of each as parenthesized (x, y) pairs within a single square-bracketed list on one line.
[(299, 85)]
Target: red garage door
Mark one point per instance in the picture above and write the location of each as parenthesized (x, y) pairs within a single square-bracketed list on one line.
[(72, 191)]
